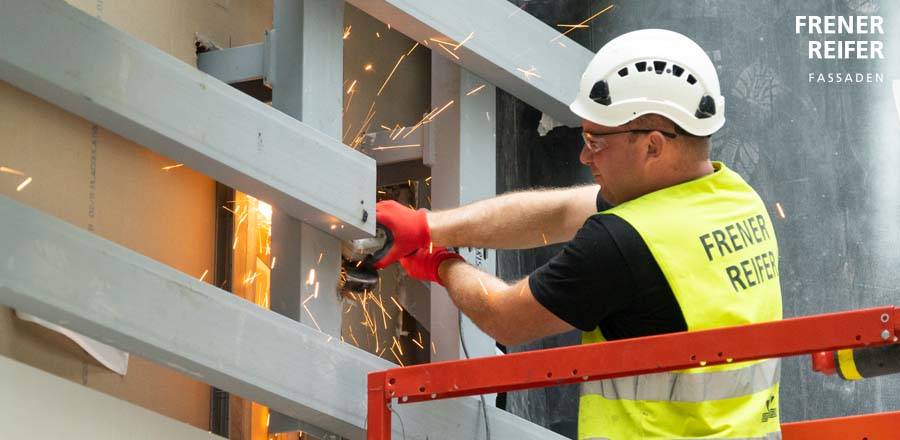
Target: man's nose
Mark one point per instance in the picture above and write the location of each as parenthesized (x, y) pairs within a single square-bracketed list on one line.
[(585, 157)]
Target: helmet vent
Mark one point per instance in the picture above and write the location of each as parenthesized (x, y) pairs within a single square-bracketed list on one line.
[(691, 80), (623, 73), (641, 66), (677, 70), (659, 67), (600, 93), (707, 107)]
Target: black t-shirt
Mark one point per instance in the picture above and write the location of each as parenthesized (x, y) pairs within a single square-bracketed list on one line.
[(607, 277)]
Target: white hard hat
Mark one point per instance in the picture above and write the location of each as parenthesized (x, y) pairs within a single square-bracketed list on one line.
[(652, 71)]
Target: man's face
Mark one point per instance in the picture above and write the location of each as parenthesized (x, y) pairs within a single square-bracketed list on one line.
[(613, 160)]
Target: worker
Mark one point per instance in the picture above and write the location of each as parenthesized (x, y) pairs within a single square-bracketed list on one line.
[(666, 241)]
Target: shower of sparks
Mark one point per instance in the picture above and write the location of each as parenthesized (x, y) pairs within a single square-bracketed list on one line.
[(524, 285), (780, 209), (388, 79), (544, 237), (321, 255), (439, 41), (204, 275), (397, 357), (582, 23), (530, 73), (385, 127), (353, 337), (273, 263), (316, 292), (172, 166), (431, 117), (11, 171), (449, 51), (229, 210), (399, 132), (312, 317), (519, 9), (561, 44), (23, 184), (430, 247), (234, 246), (394, 147), (397, 344), (476, 90), (311, 278), (397, 304), (418, 344), (241, 220), (482, 286), (350, 90), (576, 26), (368, 67), (333, 227), (382, 192), (433, 348), (428, 179), (472, 34), (347, 32), (413, 48), (251, 277)]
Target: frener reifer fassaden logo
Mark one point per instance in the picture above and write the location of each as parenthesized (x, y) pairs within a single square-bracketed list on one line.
[(851, 37)]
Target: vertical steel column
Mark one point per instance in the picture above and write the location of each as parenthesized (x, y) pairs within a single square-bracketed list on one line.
[(306, 74), (461, 153)]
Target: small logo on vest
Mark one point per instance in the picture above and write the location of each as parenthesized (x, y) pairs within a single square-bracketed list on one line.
[(771, 412)]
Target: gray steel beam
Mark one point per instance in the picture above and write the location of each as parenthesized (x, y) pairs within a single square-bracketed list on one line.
[(508, 47), (307, 71), (463, 166), (73, 60), (68, 276), (236, 64)]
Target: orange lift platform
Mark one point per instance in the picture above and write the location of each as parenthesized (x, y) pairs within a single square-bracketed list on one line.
[(844, 333)]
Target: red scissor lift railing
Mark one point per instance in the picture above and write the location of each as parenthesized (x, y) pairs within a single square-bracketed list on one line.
[(654, 354)]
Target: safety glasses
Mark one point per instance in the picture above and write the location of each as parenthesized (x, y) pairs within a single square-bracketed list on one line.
[(596, 142)]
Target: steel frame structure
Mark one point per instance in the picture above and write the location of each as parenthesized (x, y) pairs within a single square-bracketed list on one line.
[(654, 354)]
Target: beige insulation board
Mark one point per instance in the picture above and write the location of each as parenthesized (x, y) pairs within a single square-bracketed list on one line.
[(99, 181)]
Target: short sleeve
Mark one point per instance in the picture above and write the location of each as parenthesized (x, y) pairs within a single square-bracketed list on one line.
[(588, 281)]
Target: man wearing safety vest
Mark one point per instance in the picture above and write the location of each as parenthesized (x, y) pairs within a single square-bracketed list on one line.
[(669, 242)]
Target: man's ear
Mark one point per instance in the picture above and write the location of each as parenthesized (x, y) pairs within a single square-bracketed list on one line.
[(656, 143)]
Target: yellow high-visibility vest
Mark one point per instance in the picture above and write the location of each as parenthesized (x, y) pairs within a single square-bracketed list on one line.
[(715, 244)]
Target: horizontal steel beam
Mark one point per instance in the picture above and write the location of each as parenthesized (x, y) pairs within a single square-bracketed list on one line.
[(71, 277), (500, 43), (389, 147), (37, 404), (92, 69), (236, 64)]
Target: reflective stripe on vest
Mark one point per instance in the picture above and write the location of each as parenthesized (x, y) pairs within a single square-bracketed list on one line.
[(769, 436), (689, 387)]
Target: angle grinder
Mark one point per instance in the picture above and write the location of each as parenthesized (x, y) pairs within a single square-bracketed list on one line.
[(358, 273)]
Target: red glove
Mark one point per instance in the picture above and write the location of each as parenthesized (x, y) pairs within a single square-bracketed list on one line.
[(423, 265), (407, 230)]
